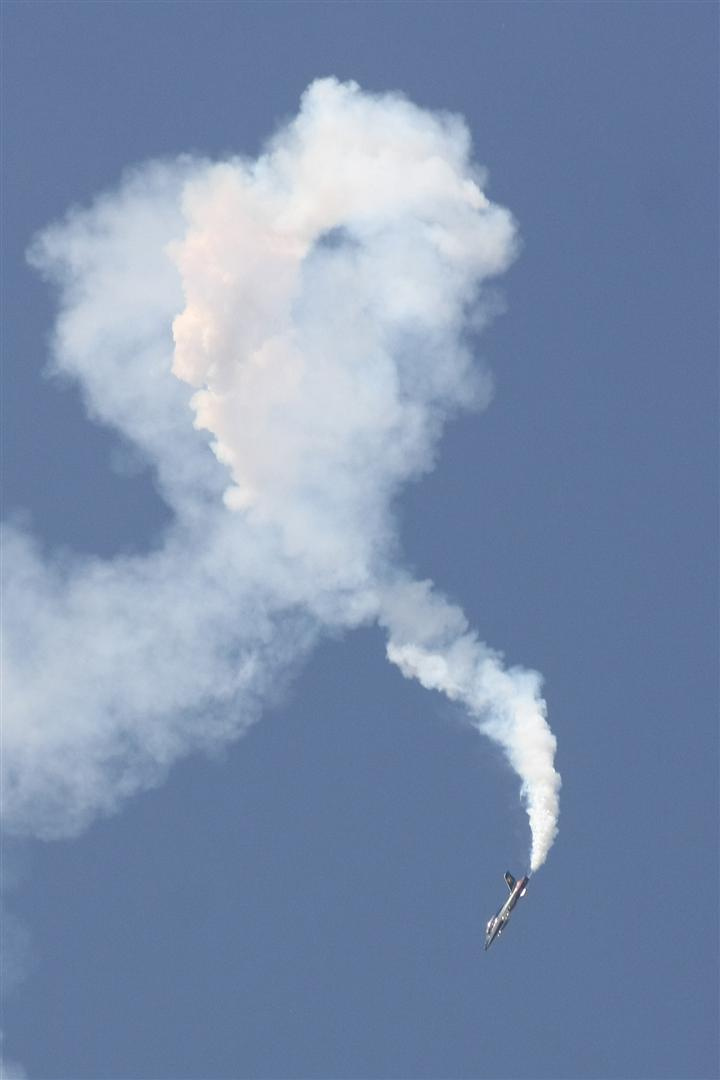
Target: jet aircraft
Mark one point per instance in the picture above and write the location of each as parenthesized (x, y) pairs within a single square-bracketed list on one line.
[(499, 921)]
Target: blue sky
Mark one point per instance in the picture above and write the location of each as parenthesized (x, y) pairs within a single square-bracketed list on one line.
[(310, 900)]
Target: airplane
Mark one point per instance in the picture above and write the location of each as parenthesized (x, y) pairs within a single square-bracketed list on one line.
[(497, 924)]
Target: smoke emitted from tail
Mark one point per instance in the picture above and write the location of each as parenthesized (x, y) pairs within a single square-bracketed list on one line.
[(305, 317), (430, 641)]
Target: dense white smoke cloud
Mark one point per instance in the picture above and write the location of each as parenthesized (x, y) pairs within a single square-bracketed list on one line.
[(305, 314)]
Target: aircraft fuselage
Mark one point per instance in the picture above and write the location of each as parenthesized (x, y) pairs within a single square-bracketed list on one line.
[(499, 921)]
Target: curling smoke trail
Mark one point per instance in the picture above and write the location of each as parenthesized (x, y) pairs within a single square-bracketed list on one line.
[(430, 641), (319, 299)]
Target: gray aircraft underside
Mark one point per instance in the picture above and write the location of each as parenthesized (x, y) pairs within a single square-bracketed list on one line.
[(499, 921)]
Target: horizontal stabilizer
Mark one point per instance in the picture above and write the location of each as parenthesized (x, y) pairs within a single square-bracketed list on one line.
[(510, 880)]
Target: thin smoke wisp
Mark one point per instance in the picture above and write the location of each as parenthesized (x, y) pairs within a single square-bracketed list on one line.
[(282, 340)]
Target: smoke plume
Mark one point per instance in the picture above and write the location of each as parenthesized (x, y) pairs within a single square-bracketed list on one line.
[(282, 340)]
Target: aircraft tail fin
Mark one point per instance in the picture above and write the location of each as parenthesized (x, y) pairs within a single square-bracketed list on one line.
[(510, 880)]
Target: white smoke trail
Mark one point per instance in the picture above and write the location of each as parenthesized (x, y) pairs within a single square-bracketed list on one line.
[(430, 641), (319, 299)]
